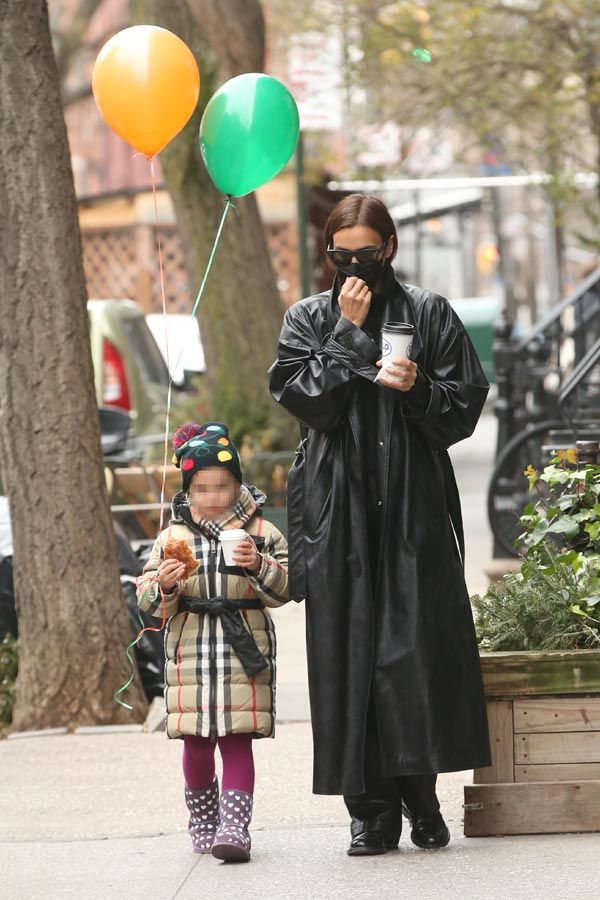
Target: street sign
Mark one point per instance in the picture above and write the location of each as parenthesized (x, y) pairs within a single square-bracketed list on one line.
[(315, 80)]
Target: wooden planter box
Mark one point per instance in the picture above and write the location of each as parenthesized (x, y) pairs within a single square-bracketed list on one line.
[(544, 719)]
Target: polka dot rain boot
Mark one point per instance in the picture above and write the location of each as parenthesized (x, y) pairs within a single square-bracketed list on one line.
[(203, 804), (232, 840)]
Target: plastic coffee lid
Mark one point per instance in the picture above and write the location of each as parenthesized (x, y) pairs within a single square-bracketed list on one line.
[(232, 534), (399, 327)]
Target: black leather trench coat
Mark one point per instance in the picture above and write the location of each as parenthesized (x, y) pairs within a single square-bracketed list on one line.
[(398, 633)]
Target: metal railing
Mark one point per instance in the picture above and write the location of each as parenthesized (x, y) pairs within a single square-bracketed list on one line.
[(548, 393)]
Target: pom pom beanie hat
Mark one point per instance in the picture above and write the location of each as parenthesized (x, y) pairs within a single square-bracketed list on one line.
[(202, 447)]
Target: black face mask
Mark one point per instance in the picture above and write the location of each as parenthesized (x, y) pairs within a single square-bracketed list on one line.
[(370, 273)]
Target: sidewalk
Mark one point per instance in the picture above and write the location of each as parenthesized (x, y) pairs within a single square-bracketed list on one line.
[(103, 815)]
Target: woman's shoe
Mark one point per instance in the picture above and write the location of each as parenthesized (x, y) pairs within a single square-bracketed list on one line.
[(429, 832), (374, 835), (232, 840), (421, 807), (203, 804), (368, 837)]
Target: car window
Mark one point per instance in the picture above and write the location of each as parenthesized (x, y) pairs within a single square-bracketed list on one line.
[(145, 350)]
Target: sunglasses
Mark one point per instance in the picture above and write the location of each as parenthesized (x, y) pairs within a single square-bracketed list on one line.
[(342, 257)]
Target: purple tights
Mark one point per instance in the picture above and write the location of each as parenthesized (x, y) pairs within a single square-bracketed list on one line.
[(238, 762)]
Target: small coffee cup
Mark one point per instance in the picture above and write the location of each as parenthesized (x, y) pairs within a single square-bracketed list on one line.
[(396, 343), (229, 540)]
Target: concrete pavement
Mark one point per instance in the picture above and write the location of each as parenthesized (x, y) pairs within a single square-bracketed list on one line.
[(102, 815)]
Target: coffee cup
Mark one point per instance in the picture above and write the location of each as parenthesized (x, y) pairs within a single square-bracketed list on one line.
[(396, 343), (230, 539)]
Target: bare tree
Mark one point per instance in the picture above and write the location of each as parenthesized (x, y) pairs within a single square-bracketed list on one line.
[(72, 619), (68, 39)]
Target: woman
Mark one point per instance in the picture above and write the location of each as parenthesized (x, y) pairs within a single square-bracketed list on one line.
[(376, 540)]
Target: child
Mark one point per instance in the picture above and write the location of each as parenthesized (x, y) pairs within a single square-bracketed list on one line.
[(220, 640)]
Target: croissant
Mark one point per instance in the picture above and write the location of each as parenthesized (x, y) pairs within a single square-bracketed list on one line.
[(180, 550)]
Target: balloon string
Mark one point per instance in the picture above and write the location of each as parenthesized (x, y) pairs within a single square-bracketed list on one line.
[(127, 684), (229, 205), (164, 310), (212, 255), (124, 687), (144, 629)]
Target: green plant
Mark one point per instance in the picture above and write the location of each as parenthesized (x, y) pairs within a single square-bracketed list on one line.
[(568, 507), (8, 673), (553, 603)]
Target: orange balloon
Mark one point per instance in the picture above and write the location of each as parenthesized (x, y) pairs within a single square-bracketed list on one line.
[(146, 85)]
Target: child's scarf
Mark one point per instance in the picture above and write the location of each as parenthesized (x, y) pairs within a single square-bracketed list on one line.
[(236, 517)]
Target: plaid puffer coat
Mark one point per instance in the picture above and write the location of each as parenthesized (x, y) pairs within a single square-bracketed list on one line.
[(210, 689)]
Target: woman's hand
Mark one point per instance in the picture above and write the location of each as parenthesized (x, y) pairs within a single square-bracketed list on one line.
[(247, 556), (355, 300), (169, 573), (403, 369)]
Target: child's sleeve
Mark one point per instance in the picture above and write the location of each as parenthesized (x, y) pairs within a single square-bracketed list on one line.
[(148, 592), (271, 582)]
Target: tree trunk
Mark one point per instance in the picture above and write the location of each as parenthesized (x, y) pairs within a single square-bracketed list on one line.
[(241, 311), (73, 624)]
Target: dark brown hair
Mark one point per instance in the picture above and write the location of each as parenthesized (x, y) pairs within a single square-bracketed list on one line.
[(358, 209)]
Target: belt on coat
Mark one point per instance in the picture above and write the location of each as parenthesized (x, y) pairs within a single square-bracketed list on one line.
[(235, 631)]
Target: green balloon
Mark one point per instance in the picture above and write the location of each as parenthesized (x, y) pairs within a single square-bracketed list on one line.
[(248, 132)]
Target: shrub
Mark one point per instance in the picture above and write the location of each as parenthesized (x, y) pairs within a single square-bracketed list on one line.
[(553, 603)]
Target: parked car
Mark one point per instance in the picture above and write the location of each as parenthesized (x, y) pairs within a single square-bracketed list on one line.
[(129, 370), (186, 354)]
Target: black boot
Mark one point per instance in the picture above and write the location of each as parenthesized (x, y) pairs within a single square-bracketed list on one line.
[(429, 832), (368, 838), (421, 806), (374, 828)]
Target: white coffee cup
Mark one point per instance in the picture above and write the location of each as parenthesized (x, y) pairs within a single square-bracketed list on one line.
[(230, 539), (396, 343)]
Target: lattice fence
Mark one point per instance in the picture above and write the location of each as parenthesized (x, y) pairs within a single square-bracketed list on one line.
[(123, 262), (110, 262)]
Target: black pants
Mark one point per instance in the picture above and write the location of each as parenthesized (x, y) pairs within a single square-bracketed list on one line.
[(386, 795)]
